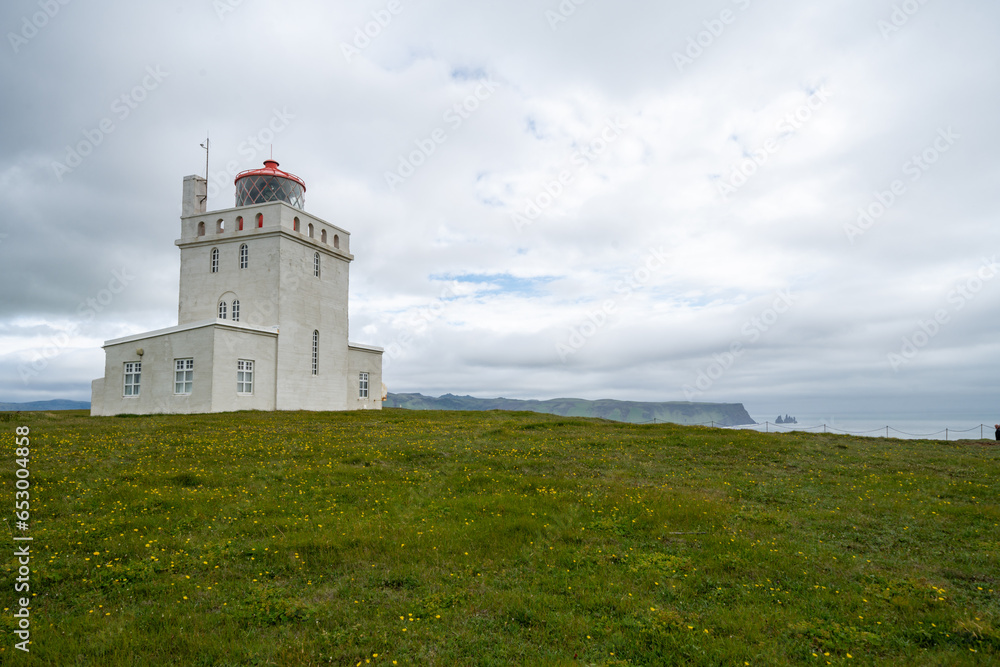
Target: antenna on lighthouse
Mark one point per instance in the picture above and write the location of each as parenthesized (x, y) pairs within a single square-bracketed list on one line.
[(206, 146)]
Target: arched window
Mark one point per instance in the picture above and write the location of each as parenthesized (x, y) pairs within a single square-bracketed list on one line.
[(295, 224), (260, 220), (239, 223), (322, 236), (215, 260), (315, 359), (310, 230), (244, 256), (316, 265), (336, 240), (201, 229), (236, 310), (220, 226), (222, 310)]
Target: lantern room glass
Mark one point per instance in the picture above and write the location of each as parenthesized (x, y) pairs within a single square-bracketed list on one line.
[(261, 188)]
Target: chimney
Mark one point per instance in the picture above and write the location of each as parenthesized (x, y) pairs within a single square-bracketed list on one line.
[(195, 197)]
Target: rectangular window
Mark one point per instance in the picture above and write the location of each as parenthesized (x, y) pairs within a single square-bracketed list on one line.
[(183, 376), (133, 369), (244, 377), (363, 385)]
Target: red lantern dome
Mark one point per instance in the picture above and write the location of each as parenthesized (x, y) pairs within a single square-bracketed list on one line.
[(259, 186)]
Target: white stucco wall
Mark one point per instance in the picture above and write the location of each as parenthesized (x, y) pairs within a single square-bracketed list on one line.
[(231, 346), (156, 388), (277, 216), (368, 360), (308, 304), (214, 348), (97, 397), (256, 286)]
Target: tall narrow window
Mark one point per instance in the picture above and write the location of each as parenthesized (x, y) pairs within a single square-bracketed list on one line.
[(244, 256), (315, 358), (295, 224), (222, 310), (363, 385), (220, 226), (310, 228), (236, 310), (244, 377), (316, 265), (260, 220), (215, 260), (322, 235), (133, 369), (239, 223), (336, 240), (201, 229), (183, 376)]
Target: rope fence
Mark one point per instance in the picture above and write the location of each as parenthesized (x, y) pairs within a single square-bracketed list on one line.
[(985, 432)]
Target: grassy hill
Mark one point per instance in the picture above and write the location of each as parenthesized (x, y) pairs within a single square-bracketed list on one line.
[(494, 538), (723, 414)]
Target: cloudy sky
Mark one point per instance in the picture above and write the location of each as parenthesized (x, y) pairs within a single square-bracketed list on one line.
[(790, 205)]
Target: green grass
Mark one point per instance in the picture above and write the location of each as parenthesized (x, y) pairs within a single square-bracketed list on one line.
[(449, 538)]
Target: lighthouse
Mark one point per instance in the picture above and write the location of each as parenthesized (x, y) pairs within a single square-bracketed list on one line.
[(262, 320)]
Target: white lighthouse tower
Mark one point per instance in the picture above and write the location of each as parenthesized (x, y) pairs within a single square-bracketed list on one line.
[(262, 321)]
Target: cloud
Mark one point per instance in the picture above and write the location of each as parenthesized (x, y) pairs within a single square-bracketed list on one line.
[(524, 289)]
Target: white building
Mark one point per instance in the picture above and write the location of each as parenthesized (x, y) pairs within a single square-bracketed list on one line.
[(262, 316)]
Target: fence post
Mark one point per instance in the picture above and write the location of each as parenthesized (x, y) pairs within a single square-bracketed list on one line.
[(886, 432), (946, 435)]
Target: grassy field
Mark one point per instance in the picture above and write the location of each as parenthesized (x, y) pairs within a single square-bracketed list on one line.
[(450, 538)]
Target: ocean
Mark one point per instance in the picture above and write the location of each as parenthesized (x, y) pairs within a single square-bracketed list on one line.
[(906, 425)]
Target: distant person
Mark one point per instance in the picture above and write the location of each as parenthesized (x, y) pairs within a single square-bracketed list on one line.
[(998, 431)]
